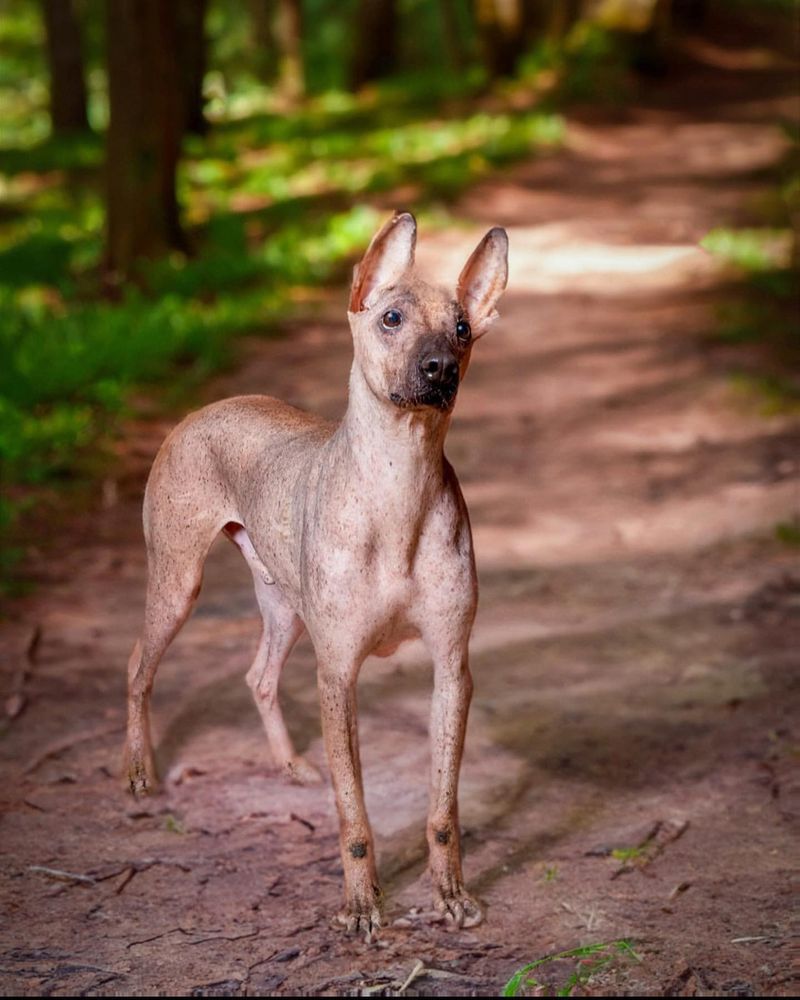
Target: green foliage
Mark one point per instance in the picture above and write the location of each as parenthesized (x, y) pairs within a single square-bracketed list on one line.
[(761, 313), (593, 959), (788, 532), (628, 855), (773, 394), (10, 554), (355, 148), (764, 313), (82, 151), (595, 64), (590, 63), (174, 825), (23, 91), (68, 367), (752, 250), (34, 260), (550, 873)]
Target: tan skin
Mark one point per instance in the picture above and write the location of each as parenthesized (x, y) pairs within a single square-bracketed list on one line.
[(357, 533)]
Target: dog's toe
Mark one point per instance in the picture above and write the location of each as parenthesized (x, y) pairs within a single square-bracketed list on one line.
[(360, 922), (459, 909), (141, 782), (139, 772)]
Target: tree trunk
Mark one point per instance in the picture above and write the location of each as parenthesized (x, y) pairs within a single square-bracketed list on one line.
[(375, 54), (563, 16), (289, 38), (690, 14), (144, 132), (453, 43), (190, 16), (501, 33), (262, 38), (65, 59)]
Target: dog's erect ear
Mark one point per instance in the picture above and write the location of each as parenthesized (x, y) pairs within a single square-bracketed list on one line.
[(483, 280), (388, 257)]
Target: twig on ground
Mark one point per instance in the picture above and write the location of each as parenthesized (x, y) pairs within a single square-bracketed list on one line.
[(61, 875), (306, 823), (416, 972), (224, 937)]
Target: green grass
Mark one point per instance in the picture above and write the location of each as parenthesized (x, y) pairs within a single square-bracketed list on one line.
[(70, 364), (174, 825), (628, 855), (772, 394), (760, 319), (550, 873), (564, 976), (590, 64), (751, 250), (788, 532)]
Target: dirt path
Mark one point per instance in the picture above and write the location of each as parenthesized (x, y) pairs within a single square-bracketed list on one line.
[(633, 655)]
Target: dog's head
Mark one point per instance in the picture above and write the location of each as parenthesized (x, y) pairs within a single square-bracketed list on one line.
[(413, 340)]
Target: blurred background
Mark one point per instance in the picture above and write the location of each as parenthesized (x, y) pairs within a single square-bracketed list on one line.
[(184, 188), (172, 173)]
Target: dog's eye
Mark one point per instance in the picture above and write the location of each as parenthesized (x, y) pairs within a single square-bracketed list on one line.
[(392, 319), (463, 331)]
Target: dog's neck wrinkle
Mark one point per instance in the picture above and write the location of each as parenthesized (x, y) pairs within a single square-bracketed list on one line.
[(377, 434)]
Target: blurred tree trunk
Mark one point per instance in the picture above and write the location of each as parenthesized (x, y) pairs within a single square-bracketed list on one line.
[(264, 46), (144, 132), (563, 16), (375, 52), (289, 38), (500, 27), (454, 44), (689, 14), (191, 16), (536, 16), (651, 48), (65, 60)]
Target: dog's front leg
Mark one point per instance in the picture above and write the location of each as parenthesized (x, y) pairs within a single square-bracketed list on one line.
[(452, 692), (337, 688)]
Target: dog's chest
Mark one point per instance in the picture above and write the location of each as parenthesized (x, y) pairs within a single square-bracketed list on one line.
[(382, 579)]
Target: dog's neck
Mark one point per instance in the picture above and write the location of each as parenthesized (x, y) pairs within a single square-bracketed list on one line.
[(382, 439)]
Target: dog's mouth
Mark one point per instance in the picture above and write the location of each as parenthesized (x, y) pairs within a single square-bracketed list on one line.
[(439, 398)]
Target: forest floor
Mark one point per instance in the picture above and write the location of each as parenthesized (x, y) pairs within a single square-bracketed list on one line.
[(628, 768)]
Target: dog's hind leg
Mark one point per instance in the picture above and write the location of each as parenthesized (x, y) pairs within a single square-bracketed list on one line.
[(281, 628), (171, 593), (178, 539)]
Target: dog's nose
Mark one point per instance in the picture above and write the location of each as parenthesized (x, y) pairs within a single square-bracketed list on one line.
[(439, 368)]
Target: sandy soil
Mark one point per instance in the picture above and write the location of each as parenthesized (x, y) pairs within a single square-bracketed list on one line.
[(628, 771)]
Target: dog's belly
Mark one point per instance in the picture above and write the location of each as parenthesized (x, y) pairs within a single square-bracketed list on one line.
[(388, 645)]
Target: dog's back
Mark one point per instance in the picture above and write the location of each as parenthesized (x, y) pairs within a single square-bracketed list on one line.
[(229, 454)]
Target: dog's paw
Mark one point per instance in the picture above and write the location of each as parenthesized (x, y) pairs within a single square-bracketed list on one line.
[(140, 774), (458, 908), (141, 783), (366, 922), (302, 772)]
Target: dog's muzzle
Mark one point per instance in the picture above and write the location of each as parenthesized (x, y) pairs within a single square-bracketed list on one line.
[(432, 380), (439, 371)]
